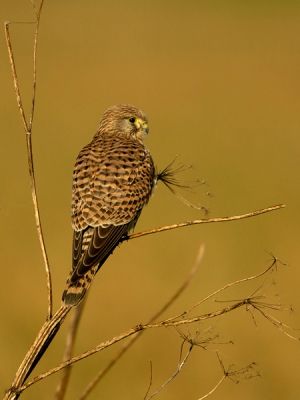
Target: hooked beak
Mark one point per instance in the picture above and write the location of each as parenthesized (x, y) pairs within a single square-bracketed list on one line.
[(142, 128)]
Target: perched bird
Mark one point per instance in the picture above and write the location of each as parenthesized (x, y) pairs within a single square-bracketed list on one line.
[(113, 179)]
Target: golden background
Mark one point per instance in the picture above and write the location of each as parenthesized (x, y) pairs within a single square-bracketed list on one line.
[(220, 83)]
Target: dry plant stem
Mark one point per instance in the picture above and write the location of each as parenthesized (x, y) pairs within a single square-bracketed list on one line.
[(180, 366), (165, 323), (28, 130), (38, 17), (215, 388), (232, 374), (71, 336), (150, 383), (206, 221), (41, 343), (224, 288), (14, 73), (129, 333), (278, 324), (131, 341)]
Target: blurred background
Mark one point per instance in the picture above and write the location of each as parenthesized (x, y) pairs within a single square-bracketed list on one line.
[(219, 82)]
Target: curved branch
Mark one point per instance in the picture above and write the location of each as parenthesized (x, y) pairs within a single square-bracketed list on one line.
[(206, 221)]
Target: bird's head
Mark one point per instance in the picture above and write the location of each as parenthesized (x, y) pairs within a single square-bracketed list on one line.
[(125, 120)]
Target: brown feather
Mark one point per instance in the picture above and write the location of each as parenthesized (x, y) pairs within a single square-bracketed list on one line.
[(113, 179)]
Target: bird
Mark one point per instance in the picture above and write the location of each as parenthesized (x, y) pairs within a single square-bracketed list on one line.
[(113, 179)]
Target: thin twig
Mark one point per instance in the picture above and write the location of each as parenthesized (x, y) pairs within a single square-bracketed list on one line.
[(14, 74), (206, 221), (259, 306), (246, 372), (70, 342), (225, 375), (215, 388), (38, 18), (150, 383), (180, 366), (28, 131), (224, 288), (132, 340)]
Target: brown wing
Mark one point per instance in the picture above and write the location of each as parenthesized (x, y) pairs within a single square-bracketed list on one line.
[(93, 246), (113, 180)]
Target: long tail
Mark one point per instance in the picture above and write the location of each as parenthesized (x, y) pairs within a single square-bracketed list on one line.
[(91, 248), (74, 292)]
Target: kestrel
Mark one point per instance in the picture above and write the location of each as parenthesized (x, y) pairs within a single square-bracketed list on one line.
[(113, 179)]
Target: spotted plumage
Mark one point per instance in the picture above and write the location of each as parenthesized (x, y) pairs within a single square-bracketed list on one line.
[(113, 179)]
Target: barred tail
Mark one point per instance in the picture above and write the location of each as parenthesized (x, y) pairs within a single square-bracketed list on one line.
[(74, 292)]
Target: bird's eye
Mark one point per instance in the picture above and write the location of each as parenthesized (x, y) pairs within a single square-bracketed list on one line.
[(132, 120)]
